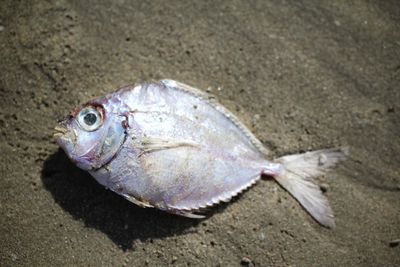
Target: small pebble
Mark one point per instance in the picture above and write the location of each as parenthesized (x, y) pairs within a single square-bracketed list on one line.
[(1, 28), (261, 236), (14, 257), (394, 243), (324, 187), (245, 261)]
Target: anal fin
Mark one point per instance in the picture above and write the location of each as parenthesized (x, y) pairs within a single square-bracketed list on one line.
[(187, 214), (140, 203)]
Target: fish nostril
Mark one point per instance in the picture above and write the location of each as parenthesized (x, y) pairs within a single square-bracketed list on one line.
[(65, 119)]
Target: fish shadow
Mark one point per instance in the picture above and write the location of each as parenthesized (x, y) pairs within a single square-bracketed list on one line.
[(86, 200)]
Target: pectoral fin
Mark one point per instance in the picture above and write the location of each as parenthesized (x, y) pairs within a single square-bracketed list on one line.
[(151, 144)]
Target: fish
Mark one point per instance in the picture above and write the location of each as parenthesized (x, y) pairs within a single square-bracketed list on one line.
[(173, 147)]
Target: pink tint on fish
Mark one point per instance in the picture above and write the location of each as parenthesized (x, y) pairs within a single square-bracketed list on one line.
[(173, 147)]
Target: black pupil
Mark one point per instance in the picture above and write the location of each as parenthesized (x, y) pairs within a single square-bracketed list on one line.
[(90, 119)]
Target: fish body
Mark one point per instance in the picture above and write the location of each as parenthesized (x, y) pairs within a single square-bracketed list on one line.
[(173, 147)]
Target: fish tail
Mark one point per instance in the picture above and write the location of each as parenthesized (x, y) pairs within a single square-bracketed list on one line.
[(296, 174)]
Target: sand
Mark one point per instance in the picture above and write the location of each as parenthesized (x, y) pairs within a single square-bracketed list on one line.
[(301, 75)]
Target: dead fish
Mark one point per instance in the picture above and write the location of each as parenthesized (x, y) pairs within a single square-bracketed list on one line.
[(173, 147)]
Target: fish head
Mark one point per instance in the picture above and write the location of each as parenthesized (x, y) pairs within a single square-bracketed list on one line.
[(92, 134)]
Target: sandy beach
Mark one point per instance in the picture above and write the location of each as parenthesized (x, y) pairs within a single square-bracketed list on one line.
[(302, 75)]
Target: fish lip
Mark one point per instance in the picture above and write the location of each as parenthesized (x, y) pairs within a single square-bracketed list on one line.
[(65, 134), (60, 132)]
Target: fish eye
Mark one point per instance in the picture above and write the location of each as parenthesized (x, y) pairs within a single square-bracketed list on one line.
[(89, 119)]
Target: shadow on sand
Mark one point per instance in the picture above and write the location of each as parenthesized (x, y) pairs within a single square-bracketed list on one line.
[(123, 222)]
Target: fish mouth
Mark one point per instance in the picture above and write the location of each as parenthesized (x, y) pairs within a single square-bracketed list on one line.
[(60, 132)]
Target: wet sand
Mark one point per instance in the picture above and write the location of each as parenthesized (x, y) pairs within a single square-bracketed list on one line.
[(301, 76)]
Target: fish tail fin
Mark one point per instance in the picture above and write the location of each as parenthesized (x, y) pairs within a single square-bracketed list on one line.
[(296, 177)]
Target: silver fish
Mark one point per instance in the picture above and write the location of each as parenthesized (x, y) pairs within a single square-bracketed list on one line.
[(173, 147)]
